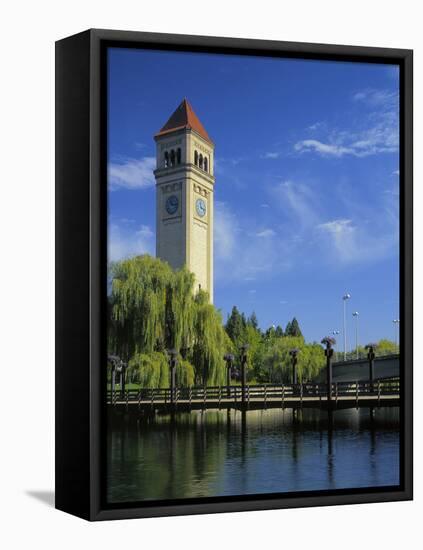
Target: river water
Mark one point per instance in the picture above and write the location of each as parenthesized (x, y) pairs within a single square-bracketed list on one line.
[(220, 453)]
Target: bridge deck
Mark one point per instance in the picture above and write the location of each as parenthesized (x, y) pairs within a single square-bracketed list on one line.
[(382, 392)]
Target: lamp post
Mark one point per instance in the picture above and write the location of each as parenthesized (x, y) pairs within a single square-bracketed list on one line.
[(396, 328), (113, 360), (173, 361), (329, 342), (371, 357), (356, 315), (229, 358), (244, 349), (122, 377), (345, 297), (335, 333), (294, 360)]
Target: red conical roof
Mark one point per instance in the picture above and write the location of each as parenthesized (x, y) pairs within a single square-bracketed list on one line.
[(184, 117)]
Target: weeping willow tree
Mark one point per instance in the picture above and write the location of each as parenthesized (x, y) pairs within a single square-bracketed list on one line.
[(180, 310), (211, 342), (152, 309), (277, 362), (149, 370), (138, 305)]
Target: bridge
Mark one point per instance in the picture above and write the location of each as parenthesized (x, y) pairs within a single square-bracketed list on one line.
[(381, 392), (358, 369)]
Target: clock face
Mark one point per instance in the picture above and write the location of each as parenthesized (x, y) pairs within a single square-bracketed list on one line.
[(200, 206), (172, 204)]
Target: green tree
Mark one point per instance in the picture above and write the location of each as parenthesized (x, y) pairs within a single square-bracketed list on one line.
[(279, 332), (386, 347), (277, 362), (149, 370), (234, 325), (293, 329), (288, 329), (153, 308), (253, 321), (210, 342), (138, 305)]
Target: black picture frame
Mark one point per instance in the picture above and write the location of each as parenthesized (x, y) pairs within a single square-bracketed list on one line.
[(81, 256)]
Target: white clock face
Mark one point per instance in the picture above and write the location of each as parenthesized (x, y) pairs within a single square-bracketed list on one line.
[(200, 206)]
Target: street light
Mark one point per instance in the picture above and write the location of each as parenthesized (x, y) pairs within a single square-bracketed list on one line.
[(345, 297), (396, 328), (356, 315)]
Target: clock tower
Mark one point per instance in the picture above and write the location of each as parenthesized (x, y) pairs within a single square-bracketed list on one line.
[(184, 195)]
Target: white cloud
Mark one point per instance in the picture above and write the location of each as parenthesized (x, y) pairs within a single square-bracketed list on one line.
[(325, 149), (242, 255), (272, 155), (310, 235), (264, 205), (225, 230), (124, 242), (315, 126), (396, 173), (376, 98), (298, 201), (131, 173), (266, 233), (375, 132), (351, 243)]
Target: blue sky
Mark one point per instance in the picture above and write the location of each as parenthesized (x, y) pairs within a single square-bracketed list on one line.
[(307, 180)]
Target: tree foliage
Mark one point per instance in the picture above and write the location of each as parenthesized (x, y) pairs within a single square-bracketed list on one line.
[(153, 309), (293, 329), (386, 347), (277, 362), (149, 370), (210, 342)]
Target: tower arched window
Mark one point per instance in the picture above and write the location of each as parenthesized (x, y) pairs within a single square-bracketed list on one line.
[(206, 164), (172, 158), (200, 161), (178, 155), (196, 158), (166, 159)]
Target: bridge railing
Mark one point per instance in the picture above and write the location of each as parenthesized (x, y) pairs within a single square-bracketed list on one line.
[(252, 392)]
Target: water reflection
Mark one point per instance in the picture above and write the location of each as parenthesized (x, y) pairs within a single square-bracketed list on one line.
[(217, 453)]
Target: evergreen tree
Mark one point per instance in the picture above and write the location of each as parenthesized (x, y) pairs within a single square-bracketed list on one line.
[(279, 332), (270, 333), (293, 329), (234, 325), (253, 321)]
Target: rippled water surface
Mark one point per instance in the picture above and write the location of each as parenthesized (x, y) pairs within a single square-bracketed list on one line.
[(230, 453)]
